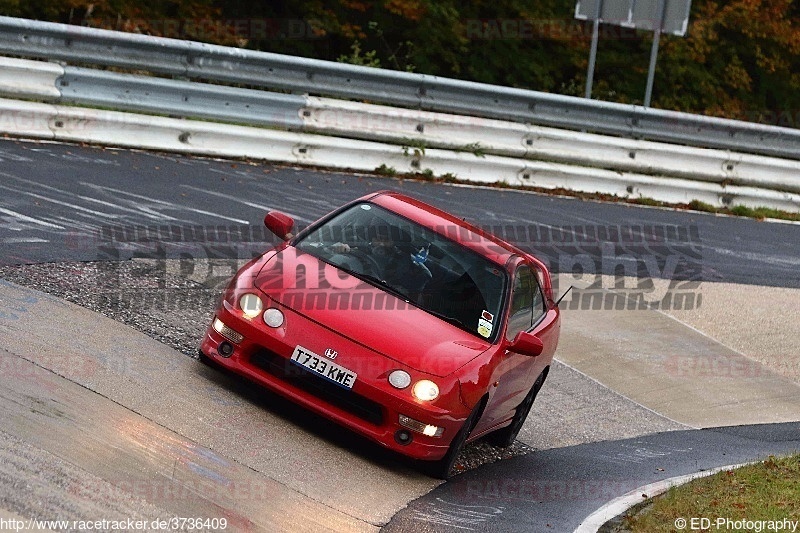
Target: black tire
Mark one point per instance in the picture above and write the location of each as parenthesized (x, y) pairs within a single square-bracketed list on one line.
[(206, 360), (442, 468), (505, 437)]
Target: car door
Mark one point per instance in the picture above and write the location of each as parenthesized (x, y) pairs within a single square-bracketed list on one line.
[(512, 376)]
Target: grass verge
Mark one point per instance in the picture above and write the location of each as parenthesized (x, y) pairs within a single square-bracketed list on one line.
[(768, 491)]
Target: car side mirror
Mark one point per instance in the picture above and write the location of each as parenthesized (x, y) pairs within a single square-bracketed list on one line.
[(279, 224), (526, 344)]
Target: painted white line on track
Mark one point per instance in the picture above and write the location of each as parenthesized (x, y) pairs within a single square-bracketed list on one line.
[(177, 207), (76, 207), (21, 240), (254, 205), (590, 378), (32, 220)]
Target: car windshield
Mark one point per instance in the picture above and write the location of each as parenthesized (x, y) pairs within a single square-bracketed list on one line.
[(421, 266)]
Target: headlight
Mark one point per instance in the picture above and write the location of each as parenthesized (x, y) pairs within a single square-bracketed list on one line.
[(399, 379), (426, 391), (251, 305), (273, 317)]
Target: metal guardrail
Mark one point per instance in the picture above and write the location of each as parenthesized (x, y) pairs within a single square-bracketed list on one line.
[(353, 135), (76, 124), (412, 128), (80, 45), (97, 88)]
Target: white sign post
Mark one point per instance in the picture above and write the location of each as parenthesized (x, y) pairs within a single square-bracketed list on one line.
[(659, 16)]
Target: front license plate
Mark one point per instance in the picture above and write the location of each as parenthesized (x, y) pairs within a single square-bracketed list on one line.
[(323, 367)]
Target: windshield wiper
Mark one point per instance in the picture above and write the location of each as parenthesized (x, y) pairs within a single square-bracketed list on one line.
[(383, 284), (378, 282), (449, 319)]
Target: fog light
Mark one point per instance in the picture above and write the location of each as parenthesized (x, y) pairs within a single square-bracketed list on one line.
[(225, 349), (403, 437), (233, 336), (420, 427)]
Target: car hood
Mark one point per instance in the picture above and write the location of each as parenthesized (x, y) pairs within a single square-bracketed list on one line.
[(365, 314)]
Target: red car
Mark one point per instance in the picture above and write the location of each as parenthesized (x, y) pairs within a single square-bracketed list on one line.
[(397, 320)]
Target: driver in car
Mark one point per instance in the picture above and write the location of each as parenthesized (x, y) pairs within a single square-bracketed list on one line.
[(401, 270)]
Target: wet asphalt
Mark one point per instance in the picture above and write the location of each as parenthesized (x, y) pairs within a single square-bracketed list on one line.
[(555, 490), (65, 202)]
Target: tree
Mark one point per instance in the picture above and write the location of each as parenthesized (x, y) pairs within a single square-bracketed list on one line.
[(739, 60)]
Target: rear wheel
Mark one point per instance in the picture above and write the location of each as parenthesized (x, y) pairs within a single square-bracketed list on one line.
[(506, 436), (442, 468)]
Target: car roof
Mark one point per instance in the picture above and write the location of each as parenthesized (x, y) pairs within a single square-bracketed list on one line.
[(444, 223)]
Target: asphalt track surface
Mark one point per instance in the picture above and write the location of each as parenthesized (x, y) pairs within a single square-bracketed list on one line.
[(555, 490), (54, 198), (56, 201)]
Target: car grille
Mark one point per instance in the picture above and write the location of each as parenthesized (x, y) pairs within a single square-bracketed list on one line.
[(308, 381)]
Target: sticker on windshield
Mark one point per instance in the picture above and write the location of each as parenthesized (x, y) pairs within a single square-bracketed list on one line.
[(486, 315), (484, 328)]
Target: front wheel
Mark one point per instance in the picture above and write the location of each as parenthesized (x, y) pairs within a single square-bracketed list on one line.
[(505, 437), (206, 360), (442, 468)]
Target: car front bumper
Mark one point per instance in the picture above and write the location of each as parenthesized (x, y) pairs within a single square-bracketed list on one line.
[(371, 408)]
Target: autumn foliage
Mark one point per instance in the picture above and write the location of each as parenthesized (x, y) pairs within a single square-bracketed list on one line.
[(739, 59)]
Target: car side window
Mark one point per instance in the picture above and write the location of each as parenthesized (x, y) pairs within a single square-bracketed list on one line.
[(538, 301), (520, 317)]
